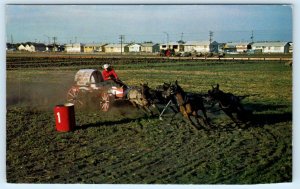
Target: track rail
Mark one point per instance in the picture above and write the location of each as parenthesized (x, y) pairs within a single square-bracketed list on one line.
[(65, 61)]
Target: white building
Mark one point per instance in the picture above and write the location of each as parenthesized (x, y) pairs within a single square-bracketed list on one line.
[(134, 47), (271, 47), (26, 47), (239, 47), (74, 47), (177, 47), (200, 46), (115, 48), (149, 47)]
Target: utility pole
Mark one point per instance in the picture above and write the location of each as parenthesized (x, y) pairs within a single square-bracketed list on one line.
[(54, 39), (122, 39), (48, 39), (211, 34), (252, 37), (181, 36), (11, 39), (167, 39)]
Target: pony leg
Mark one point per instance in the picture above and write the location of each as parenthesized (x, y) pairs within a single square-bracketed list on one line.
[(134, 104), (196, 126), (149, 110), (229, 114), (199, 119), (206, 119)]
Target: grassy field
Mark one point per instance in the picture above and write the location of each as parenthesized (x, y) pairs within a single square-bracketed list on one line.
[(126, 146)]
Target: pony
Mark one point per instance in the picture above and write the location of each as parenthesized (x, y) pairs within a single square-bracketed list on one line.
[(188, 104), (137, 97), (228, 103), (158, 97)]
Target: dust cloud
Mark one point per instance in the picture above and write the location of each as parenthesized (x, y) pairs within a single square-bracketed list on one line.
[(41, 93), (45, 91)]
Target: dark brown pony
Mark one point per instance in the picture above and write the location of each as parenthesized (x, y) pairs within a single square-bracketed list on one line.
[(158, 98), (189, 104), (228, 103)]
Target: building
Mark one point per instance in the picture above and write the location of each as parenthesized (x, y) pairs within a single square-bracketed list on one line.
[(271, 47), (201, 46), (221, 47), (20, 47), (175, 46), (93, 47), (53, 48), (74, 47), (116, 48), (39, 47), (134, 47), (241, 47), (10, 47), (291, 47), (26, 47), (150, 47)]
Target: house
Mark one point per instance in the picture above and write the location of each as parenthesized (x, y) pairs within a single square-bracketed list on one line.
[(221, 47), (53, 48), (175, 46), (241, 47), (74, 47), (271, 47), (10, 47), (39, 47), (149, 47), (134, 47), (20, 47), (116, 48), (201, 46), (291, 47), (93, 47), (26, 47)]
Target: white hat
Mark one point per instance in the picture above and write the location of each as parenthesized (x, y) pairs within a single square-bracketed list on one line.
[(105, 66)]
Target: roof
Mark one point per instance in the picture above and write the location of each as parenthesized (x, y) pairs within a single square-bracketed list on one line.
[(73, 44), (116, 45), (147, 44), (134, 44), (269, 44), (172, 43), (198, 43), (95, 44), (237, 43)]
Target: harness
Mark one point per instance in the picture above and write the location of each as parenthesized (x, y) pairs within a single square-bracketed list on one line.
[(185, 100), (232, 101)]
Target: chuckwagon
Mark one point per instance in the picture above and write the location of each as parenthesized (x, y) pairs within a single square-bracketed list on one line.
[(89, 86)]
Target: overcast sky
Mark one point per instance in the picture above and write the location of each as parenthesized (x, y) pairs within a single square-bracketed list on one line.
[(105, 23)]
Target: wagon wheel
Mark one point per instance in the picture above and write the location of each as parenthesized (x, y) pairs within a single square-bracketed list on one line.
[(73, 96), (104, 101)]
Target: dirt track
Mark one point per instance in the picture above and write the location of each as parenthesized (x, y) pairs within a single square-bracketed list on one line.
[(126, 146)]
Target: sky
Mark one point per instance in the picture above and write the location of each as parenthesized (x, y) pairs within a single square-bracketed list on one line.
[(139, 23)]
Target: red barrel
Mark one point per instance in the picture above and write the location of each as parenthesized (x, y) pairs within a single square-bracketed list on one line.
[(64, 117)]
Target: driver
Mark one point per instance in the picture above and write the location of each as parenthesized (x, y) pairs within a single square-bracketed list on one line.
[(109, 74)]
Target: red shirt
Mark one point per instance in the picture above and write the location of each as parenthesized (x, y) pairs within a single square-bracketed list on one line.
[(109, 73)]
